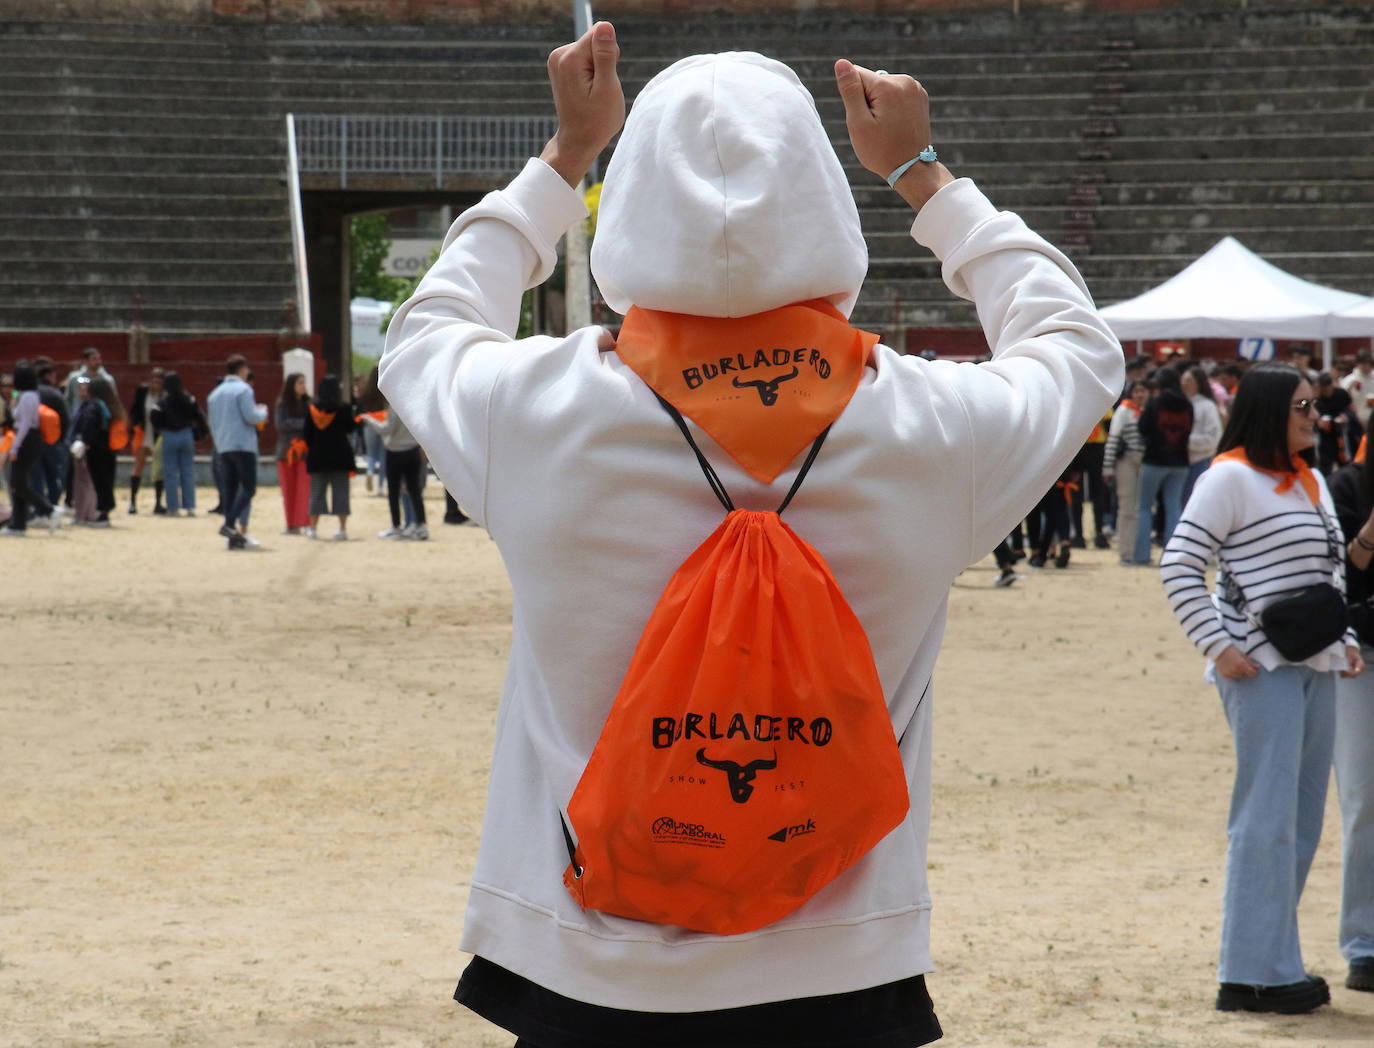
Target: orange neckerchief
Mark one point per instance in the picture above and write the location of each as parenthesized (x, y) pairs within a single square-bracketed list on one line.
[(1131, 406), (763, 386), (296, 451), (1359, 452), (1303, 473), (380, 416), (322, 418)]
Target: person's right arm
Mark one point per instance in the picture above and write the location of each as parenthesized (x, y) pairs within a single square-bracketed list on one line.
[(1207, 519), (1114, 442)]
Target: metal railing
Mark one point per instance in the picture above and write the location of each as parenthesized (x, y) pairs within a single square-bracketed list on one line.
[(419, 145)]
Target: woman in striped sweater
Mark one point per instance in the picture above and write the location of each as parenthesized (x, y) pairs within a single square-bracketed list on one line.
[(1121, 463), (1267, 517)]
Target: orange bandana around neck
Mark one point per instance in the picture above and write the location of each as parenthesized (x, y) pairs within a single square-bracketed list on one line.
[(322, 418), (1303, 474), (763, 386), (1360, 451)]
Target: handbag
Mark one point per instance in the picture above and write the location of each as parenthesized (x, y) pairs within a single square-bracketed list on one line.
[(1304, 622)]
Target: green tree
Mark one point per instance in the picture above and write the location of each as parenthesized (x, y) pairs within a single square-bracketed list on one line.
[(369, 242)]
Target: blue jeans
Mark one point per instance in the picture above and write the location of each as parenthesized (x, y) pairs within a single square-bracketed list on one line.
[(1153, 480), (1283, 722), (376, 455), (1355, 786), (179, 469), (1195, 470)]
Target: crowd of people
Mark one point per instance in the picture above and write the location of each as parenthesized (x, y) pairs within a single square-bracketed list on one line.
[(1138, 468), (60, 442)]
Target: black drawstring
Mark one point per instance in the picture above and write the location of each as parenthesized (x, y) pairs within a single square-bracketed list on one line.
[(713, 478)]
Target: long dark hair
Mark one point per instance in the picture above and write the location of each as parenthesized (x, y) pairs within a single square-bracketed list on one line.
[(288, 401), (173, 392), (25, 378), (1167, 378), (1203, 383), (1259, 416), (370, 397), (328, 397), (104, 392)]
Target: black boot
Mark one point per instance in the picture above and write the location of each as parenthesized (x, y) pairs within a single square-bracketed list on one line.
[(157, 499), (134, 482)]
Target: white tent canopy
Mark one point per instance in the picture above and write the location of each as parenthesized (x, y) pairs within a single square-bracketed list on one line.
[(1356, 322), (1230, 292)]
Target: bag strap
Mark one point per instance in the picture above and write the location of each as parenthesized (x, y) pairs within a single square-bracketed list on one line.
[(1231, 590), (713, 478)]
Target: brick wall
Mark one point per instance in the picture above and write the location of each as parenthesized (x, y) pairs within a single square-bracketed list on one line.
[(199, 362), (415, 12)]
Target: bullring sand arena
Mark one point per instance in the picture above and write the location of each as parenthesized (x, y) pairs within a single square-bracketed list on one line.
[(243, 794)]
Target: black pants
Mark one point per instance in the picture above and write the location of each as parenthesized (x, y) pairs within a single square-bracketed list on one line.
[(240, 469), (1053, 512), (22, 495), (404, 466), (100, 461), (1091, 459)]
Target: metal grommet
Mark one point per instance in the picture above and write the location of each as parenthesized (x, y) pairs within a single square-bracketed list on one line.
[(577, 873)]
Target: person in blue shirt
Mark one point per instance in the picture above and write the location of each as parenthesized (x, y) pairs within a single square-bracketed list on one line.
[(234, 421)]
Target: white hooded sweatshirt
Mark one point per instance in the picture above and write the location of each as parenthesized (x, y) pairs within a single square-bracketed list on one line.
[(724, 198)]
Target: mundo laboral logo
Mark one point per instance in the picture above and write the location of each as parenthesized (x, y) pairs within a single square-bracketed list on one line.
[(667, 830)]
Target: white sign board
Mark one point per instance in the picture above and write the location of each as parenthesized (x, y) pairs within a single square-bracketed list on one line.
[(1256, 349), (410, 258)]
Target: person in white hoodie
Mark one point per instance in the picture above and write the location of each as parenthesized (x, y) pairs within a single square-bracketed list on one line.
[(723, 202)]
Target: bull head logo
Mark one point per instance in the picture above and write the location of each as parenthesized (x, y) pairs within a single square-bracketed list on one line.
[(768, 391), (740, 776)]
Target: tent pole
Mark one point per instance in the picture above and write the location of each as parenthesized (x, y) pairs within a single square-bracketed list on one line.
[(1326, 353)]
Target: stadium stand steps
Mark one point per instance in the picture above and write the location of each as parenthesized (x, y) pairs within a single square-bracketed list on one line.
[(149, 158)]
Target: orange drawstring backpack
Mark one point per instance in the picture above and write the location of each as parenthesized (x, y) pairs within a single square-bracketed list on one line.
[(49, 424), (748, 759)]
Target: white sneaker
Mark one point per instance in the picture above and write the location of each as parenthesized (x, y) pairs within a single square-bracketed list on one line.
[(189, 513), (392, 533), (420, 533), (11, 533), (310, 533), (250, 543), (340, 536)]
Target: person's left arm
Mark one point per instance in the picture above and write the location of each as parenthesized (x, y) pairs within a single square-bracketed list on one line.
[(251, 412)]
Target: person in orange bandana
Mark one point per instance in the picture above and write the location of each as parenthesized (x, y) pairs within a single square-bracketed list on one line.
[(728, 237), (329, 456), (1266, 516), (291, 409)]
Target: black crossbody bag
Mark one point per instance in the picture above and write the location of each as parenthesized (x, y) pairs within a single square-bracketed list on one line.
[(1304, 622)]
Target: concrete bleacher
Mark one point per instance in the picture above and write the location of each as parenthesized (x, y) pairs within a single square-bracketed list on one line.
[(149, 158)]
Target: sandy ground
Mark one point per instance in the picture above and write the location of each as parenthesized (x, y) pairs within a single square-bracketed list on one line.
[(242, 796)]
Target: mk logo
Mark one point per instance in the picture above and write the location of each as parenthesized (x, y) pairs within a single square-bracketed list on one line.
[(740, 776), (768, 391), (788, 832)]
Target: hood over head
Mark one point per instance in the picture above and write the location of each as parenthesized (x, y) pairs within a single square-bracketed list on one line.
[(724, 197)]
